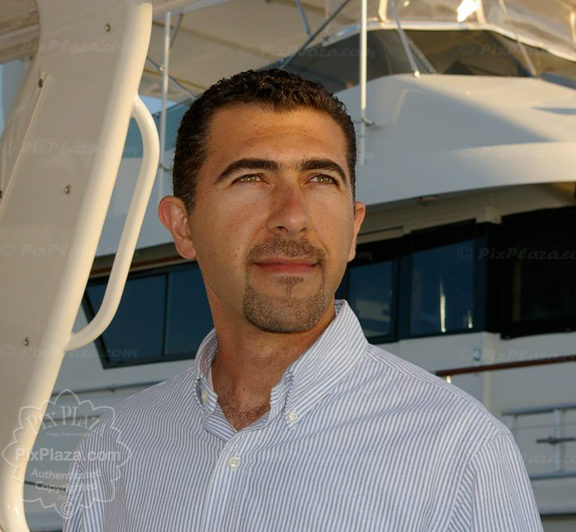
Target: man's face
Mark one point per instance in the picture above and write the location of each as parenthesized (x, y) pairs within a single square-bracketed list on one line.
[(274, 221)]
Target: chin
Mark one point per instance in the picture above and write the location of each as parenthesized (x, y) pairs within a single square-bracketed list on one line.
[(284, 314)]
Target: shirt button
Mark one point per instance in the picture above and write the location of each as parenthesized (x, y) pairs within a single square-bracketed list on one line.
[(234, 462), (292, 417), (204, 396)]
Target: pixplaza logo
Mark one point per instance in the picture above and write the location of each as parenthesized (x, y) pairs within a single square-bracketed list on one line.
[(62, 422)]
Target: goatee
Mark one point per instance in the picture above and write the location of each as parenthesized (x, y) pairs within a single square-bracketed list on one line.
[(284, 314)]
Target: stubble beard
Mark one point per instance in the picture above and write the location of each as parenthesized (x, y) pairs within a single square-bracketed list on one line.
[(286, 313)]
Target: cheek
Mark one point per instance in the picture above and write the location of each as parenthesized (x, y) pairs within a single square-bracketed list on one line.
[(224, 243), (336, 235)]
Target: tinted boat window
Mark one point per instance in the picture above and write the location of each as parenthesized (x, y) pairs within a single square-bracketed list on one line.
[(468, 53), (442, 290), (188, 317), (371, 290), (136, 332), (538, 252), (163, 315)]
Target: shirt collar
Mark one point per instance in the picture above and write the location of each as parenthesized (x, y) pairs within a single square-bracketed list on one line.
[(309, 378), (336, 351), (205, 395)]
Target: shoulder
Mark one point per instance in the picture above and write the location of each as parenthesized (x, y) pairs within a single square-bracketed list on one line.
[(421, 395), (155, 405)]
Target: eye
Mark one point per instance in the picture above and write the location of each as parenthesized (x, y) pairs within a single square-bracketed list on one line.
[(248, 178), (325, 179)]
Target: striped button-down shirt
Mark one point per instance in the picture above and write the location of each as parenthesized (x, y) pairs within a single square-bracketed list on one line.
[(356, 439)]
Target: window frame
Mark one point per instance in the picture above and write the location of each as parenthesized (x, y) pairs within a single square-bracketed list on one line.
[(391, 251), (438, 236), (100, 342)]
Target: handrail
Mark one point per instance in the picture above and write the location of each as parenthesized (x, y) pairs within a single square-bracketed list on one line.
[(557, 440), (539, 409), (505, 365), (405, 42), (130, 232)]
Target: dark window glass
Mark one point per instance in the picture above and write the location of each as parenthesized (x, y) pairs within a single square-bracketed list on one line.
[(539, 273), (370, 294), (136, 332), (442, 290), (549, 67), (336, 65), (189, 318), (468, 53), (162, 316), (485, 53), (370, 286)]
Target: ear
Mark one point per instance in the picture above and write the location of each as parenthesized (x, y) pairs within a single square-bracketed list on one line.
[(359, 213), (174, 217)]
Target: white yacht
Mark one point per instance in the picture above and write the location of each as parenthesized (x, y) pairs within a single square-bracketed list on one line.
[(466, 263)]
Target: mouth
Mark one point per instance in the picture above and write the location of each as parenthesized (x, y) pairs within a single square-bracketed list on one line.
[(285, 265)]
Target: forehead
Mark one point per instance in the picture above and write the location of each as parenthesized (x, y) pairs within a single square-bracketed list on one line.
[(243, 130)]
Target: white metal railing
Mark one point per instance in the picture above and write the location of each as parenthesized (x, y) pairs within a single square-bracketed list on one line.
[(558, 439)]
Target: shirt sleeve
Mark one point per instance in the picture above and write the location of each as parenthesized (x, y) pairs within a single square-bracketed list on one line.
[(75, 493), (495, 493), (92, 495)]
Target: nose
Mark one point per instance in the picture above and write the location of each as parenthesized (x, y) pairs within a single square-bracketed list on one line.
[(288, 211)]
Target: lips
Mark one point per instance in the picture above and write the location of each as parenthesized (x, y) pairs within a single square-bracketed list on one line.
[(287, 265), (287, 257)]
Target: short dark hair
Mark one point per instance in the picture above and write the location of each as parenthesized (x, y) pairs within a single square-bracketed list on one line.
[(277, 88)]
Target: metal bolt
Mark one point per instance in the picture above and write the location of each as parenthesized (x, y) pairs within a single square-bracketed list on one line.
[(477, 356), (40, 83), (107, 27), (67, 189), (26, 341)]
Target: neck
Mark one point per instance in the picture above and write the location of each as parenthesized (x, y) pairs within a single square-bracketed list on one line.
[(250, 362)]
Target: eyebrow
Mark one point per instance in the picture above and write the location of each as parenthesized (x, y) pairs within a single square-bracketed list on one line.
[(267, 164), (324, 164)]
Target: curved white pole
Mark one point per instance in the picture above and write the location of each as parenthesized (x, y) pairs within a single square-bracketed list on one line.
[(130, 232)]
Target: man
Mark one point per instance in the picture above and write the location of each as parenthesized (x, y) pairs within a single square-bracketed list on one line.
[(289, 419)]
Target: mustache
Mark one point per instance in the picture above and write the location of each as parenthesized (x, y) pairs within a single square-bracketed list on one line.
[(291, 249)]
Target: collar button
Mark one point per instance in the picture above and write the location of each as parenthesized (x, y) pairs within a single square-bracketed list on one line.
[(292, 416), (204, 396)]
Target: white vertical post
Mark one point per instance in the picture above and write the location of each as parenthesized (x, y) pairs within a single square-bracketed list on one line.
[(165, 79), (363, 76), (557, 436)]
